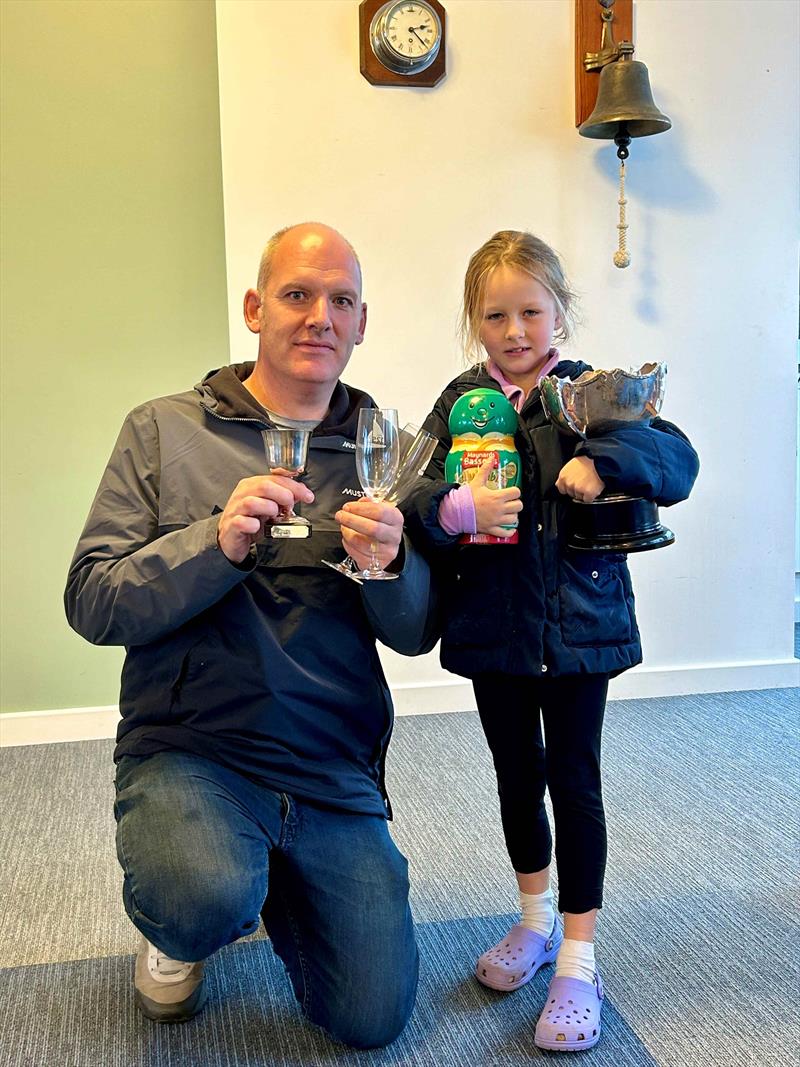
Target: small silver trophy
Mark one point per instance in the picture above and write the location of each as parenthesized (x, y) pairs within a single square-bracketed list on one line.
[(597, 403), (287, 450)]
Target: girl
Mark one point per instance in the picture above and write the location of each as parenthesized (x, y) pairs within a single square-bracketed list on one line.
[(568, 622)]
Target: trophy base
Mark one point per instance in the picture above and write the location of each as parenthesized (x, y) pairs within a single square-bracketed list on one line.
[(282, 529), (616, 523)]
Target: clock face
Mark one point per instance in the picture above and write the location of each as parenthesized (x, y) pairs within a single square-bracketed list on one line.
[(411, 29), (406, 35)]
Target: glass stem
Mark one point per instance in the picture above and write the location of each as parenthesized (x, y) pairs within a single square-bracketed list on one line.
[(374, 562)]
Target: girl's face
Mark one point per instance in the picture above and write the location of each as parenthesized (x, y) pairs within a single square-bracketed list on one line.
[(519, 320)]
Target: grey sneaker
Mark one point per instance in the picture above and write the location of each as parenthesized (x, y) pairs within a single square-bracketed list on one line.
[(165, 990)]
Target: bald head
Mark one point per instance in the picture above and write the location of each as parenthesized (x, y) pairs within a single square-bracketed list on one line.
[(305, 236), (309, 314)]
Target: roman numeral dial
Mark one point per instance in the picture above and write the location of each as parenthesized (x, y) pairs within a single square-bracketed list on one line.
[(406, 36)]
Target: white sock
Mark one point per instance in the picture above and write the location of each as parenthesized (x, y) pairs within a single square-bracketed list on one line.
[(575, 960), (538, 911)]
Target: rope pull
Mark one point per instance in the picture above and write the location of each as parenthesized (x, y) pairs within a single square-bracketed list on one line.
[(622, 256)]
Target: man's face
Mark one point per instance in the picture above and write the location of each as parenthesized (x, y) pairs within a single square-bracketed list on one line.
[(311, 314)]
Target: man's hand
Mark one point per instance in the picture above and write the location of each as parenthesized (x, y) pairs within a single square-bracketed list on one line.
[(253, 501), (579, 479), (494, 508), (366, 523)]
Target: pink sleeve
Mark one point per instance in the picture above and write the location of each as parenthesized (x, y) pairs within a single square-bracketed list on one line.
[(457, 511)]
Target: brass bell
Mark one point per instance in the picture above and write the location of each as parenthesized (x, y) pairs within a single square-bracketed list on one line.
[(624, 99)]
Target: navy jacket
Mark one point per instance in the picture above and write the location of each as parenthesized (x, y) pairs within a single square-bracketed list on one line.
[(269, 667), (537, 608)]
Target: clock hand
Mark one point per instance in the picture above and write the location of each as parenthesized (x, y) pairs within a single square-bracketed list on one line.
[(413, 29)]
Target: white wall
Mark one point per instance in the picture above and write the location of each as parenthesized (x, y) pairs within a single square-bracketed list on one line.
[(418, 178)]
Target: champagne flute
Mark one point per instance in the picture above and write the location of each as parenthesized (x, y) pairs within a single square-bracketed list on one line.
[(416, 448), (287, 449), (377, 460)]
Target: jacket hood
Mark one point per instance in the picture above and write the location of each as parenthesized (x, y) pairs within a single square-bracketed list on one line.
[(223, 394)]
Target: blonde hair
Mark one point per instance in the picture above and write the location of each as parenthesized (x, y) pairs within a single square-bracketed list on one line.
[(265, 266), (524, 252)]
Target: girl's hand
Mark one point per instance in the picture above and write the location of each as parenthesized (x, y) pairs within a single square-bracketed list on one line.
[(579, 479), (494, 508)]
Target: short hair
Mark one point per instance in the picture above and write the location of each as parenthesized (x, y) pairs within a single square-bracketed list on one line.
[(524, 252), (265, 266)]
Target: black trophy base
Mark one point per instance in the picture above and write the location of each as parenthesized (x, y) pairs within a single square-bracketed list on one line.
[(616, 523)]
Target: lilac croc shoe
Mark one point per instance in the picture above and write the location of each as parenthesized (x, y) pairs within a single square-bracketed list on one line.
[(517, 958), (570, 1020)]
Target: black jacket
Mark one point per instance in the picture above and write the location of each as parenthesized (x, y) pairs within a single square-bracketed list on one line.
[(269, 667), (537, 608)]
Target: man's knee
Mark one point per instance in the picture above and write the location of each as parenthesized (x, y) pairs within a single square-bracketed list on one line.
[(370, 1018), (190, 917)]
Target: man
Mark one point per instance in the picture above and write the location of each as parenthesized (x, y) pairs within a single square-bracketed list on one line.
[(255, 714)]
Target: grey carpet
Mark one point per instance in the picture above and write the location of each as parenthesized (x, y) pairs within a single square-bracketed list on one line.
[(697, 944)]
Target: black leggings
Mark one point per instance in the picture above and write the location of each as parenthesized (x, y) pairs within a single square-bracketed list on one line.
[(567, 764)]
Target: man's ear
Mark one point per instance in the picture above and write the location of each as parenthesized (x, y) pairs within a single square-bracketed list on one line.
[(362, 325), (252, 311)]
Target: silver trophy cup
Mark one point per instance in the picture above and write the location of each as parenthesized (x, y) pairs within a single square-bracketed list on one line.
[(287, 450), (597, 403)]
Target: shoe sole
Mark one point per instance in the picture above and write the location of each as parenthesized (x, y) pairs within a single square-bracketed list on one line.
[(568, 1046), (509, 987), (171, 1013)]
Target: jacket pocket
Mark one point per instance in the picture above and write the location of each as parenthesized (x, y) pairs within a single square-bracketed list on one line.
[(595, 601), (153, 676)]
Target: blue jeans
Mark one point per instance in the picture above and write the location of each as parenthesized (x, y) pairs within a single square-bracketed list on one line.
[(204, 850)]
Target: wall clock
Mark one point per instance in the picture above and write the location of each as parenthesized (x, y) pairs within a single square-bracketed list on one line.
[(402, 42)]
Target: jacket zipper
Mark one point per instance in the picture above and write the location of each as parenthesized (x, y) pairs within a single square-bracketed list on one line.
[(238, 418)]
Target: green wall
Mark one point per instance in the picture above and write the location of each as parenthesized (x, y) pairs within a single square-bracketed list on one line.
[(113, 286)]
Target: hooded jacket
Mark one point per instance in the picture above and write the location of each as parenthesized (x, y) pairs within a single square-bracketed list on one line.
[(269, 667), (536, 608)]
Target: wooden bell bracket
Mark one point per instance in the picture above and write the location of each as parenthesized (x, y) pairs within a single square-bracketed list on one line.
[(589, 41)]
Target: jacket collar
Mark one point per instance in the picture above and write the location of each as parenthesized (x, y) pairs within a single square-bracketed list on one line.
[(223, 394), (477, 375)]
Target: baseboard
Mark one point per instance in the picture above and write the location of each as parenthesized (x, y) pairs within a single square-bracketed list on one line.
[(61, 724), (638, 683), (644, 682), (88, 724), (433, 698)]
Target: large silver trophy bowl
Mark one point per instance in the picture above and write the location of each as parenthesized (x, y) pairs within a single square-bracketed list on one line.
[(597, 403)]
